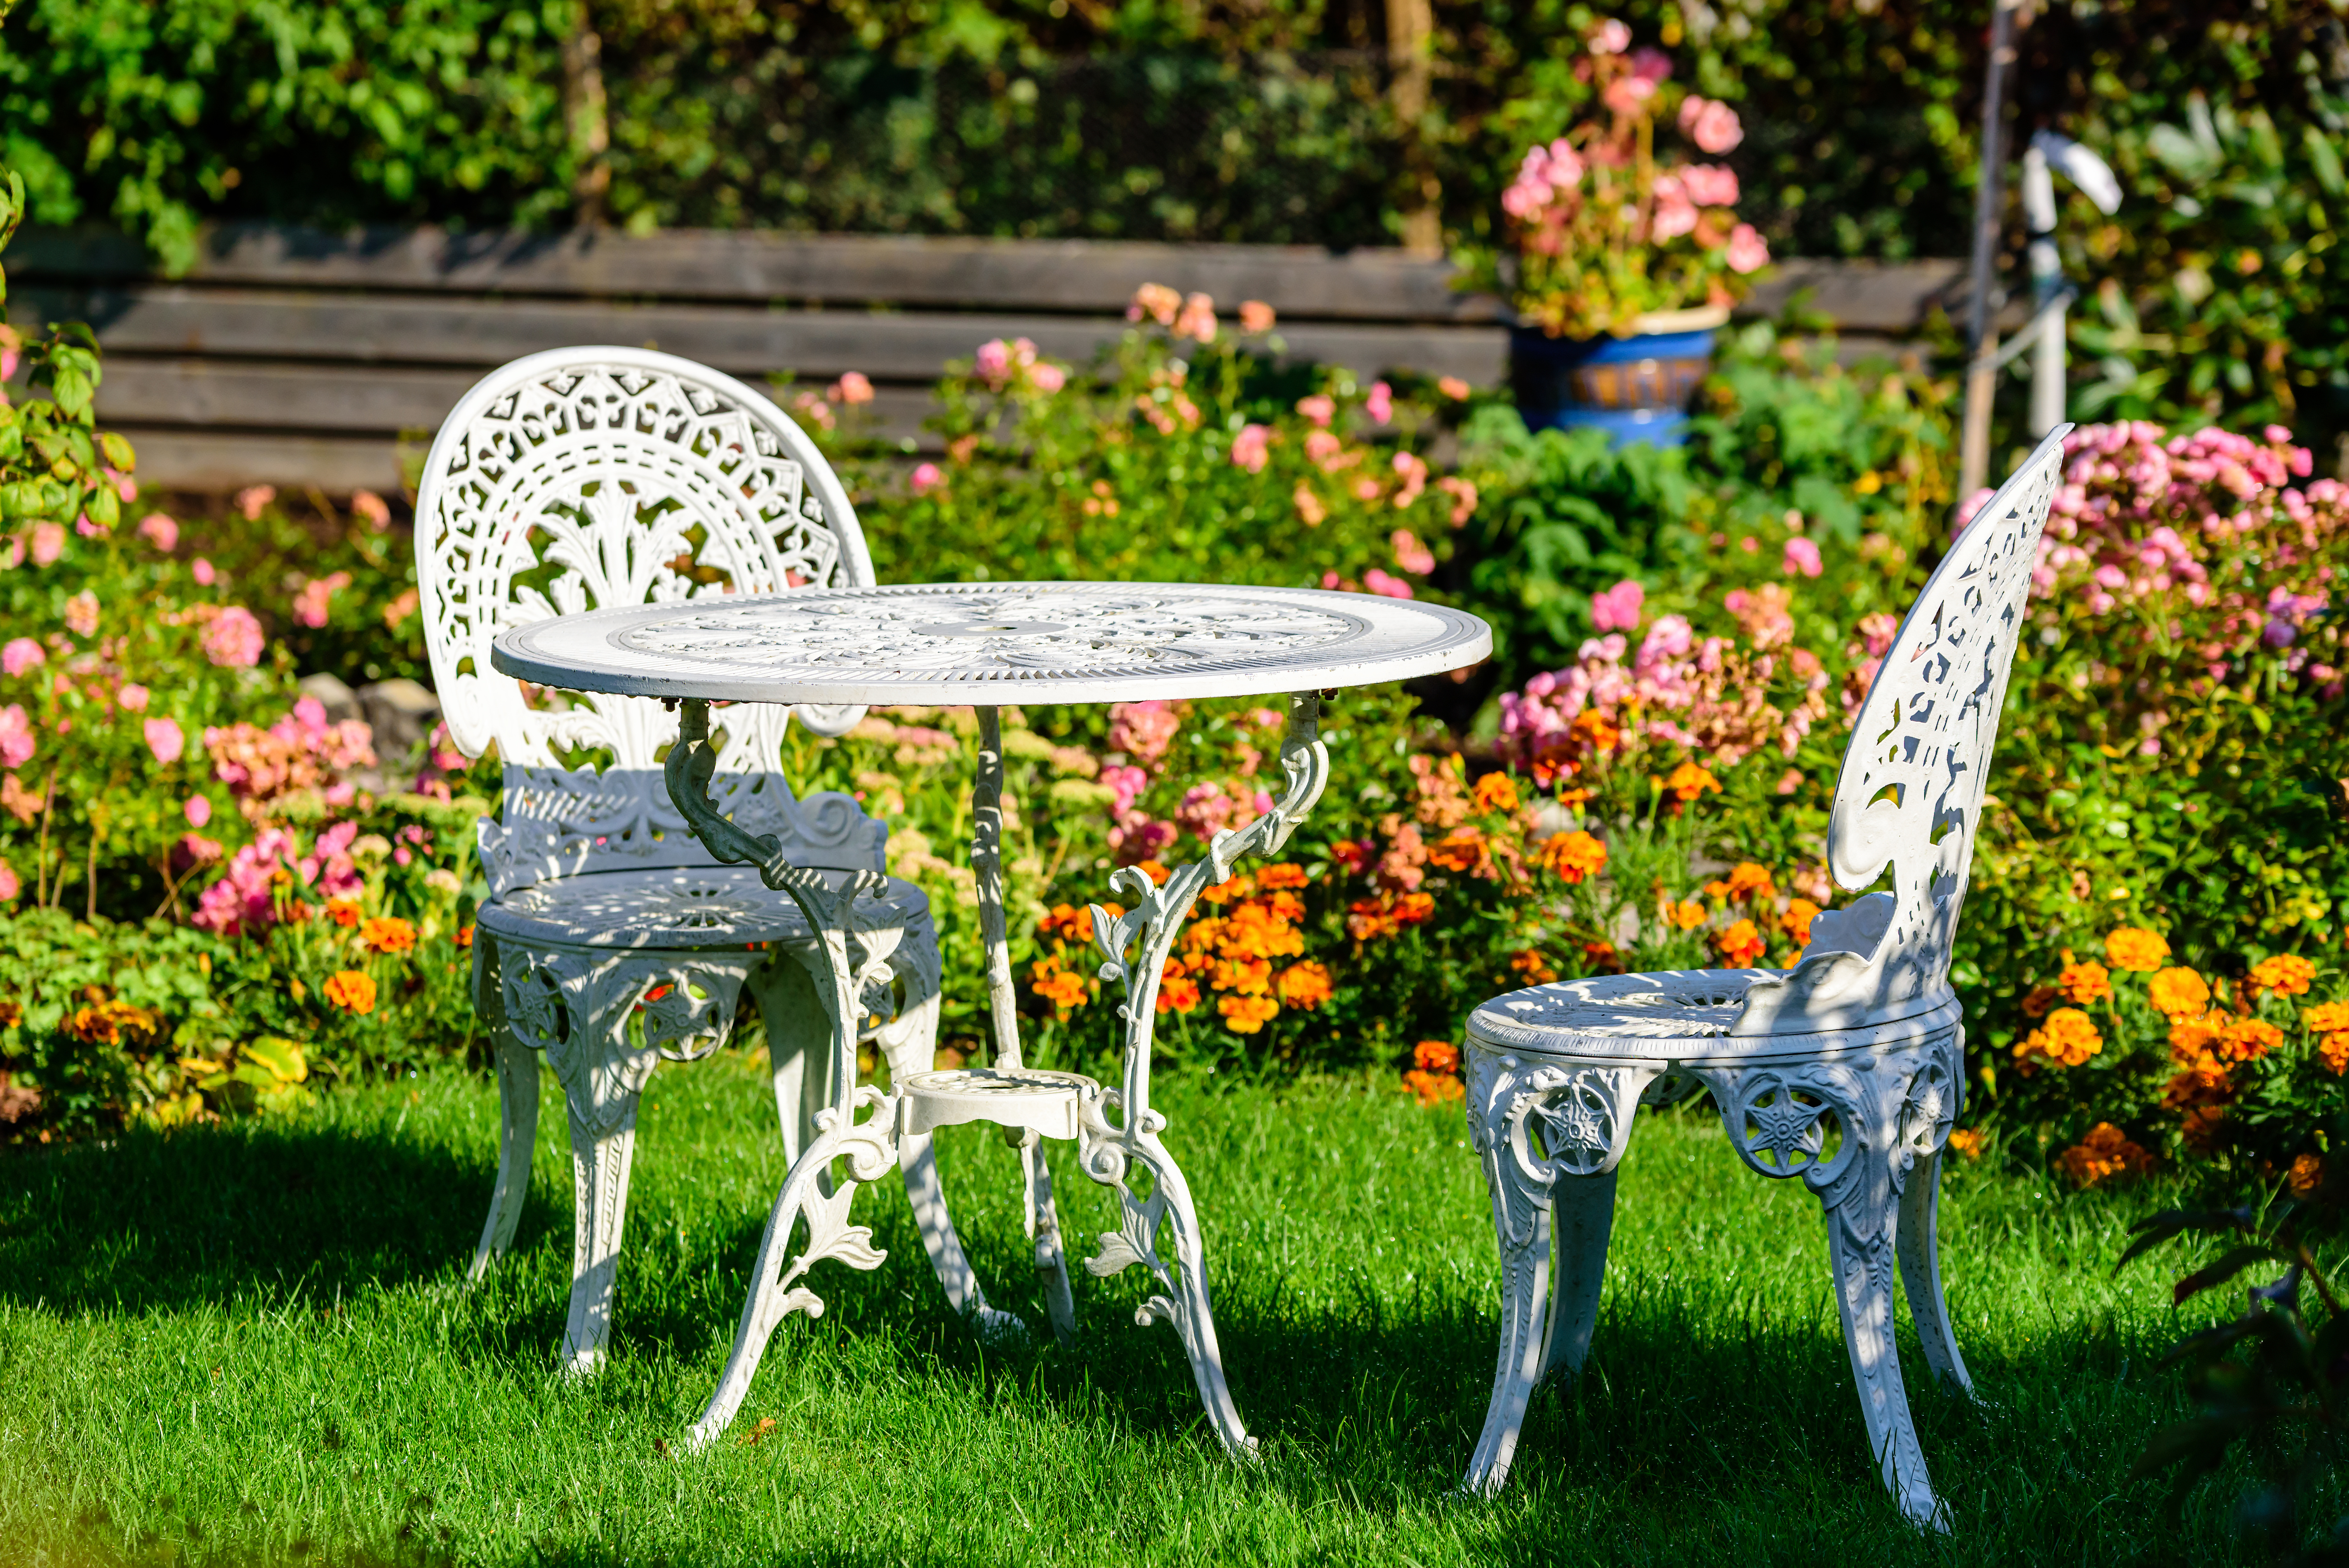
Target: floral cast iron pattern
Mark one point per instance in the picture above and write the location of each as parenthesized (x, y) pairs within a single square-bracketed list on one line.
[(976, 634)]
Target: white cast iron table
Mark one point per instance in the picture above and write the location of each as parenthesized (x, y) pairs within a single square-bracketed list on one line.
[(987, 644)]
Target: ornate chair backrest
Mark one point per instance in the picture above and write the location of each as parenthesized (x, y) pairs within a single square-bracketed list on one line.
[(1909, 794), (593, 477)]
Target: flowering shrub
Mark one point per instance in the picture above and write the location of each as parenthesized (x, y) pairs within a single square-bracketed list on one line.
[(1605, 231), (1183, 455)]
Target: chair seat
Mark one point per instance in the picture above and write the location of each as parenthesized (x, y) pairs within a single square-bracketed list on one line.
[(681, 908), (1008, 1097), (1679, 1015)]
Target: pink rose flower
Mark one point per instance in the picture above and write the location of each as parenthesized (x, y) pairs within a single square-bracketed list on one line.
[(16, 736), (1411, 555), (993, 361), (1617, 609), (21, 654), (253, 498), (1714, 126), (89, 530), (81, 614), (1747, 252), (853, 388), (1625, 95), (926, 478), (48, 543), (1710, 185), (1609, 38), (371, 506), (160, 531), (1380, 404), (1046, 376), (1255, 316), (1413, 470), (165, 740), (1251, 448), (1198, 319), (202, 571), (1143, 731), (1378, 582), (1651, 64), (1675, 214), (1320, 410), (1802, 555), (9, 886), (133, 698), (234, 638), (197, 811)]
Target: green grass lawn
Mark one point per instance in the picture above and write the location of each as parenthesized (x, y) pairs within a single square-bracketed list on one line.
[(254, 1345)]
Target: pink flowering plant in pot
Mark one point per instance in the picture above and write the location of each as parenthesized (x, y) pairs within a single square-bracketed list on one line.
[(1630, 212)]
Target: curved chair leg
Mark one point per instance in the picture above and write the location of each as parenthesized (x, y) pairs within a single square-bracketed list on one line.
[(601, 1153), (799, 1049), (1862, 1237), (1582, 1219), (517, 1140), (1044, 1229), (1921, 1273), (1524, 1243)]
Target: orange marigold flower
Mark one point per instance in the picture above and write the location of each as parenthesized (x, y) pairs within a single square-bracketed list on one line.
[(1177, 992), (2040, 998), (1056, 985), (2066, 1039), (1532, 965), (1602, 958), (2333, 1052), (1303, 985), (1246, 1014), (1276, 877), (2191, 1039), (1436, 1057), (2326, 1015), (2286, 974), (1411, 909), (1155, 871), (352, 989), (1462, 849), (1687, 917), (343, 911), (2205, 1082), (1740, 945), (464, 936), (1689, 781), (1237, 887), (1494, 792), (1796, 922), (1749, 880), (1434, 1089), (2139, 951), (1966, 1141), (2105, 1153), (1594, 731), (2084, 982), (2248, 1039), (1067, 923), (2178, 992), (1571, 855), (2307, 1175), (1251, 976), (2202, 1127), (386, 934)]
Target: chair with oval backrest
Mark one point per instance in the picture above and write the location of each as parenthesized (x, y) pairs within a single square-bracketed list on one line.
[(595, 477), (1864, 1033)]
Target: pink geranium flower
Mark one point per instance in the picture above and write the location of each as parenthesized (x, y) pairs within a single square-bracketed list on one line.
[(165, 739), (926, 478), (21, 654), (1617, 609), (1747, 251), (1802, 555), (197, 811), (1380, 404), (1710, 124), (234, 638), (1251, 448), (16, 736), (133, 697), (160, 531)]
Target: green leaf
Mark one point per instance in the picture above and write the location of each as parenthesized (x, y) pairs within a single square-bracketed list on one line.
[(2232, 1261)]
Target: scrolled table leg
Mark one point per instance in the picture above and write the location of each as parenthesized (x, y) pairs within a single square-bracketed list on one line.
[(1109, 1150), (869, 1147)]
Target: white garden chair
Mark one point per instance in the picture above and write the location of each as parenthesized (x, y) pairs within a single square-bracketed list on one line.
[(592, 477), (1864, 1032)]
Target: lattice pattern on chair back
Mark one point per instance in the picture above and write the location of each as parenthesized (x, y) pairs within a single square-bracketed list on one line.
[(1913, 776), (593, 477)]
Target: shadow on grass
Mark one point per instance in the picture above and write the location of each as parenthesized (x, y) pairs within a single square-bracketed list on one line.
[(1692, 1391), (158, 1221)]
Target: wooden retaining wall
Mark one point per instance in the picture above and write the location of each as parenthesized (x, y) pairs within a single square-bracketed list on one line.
[(296, 357)]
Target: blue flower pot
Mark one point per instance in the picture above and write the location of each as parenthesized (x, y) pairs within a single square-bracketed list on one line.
[(1636, 388)]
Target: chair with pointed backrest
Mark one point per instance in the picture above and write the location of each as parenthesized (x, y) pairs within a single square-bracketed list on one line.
[(595, 477), (1846, 1071)]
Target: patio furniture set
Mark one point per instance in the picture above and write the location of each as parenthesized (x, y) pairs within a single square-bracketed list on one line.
[(655, 538)]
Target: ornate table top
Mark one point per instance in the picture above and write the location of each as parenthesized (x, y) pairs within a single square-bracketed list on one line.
[(996, 643)]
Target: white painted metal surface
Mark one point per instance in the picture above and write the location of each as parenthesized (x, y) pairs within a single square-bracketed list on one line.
[(1846, 1071), (1030, 642), (600, 476)]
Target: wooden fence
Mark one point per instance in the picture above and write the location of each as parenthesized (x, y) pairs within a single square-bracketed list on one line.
[(295, 358)]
